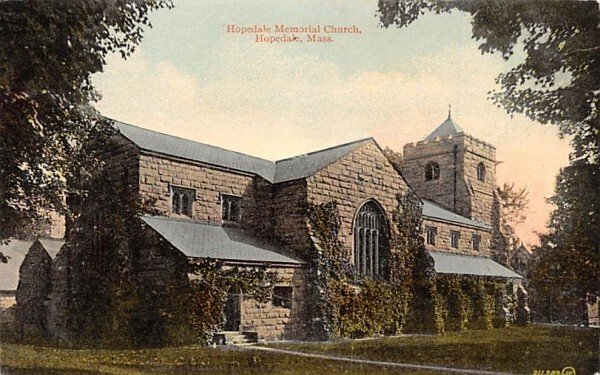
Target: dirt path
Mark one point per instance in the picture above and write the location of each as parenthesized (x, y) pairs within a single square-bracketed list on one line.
[(378, 363)]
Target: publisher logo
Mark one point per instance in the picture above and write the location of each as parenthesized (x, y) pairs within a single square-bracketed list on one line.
[(565, 371)]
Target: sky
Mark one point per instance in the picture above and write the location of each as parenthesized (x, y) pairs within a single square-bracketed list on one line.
[(193, 79)]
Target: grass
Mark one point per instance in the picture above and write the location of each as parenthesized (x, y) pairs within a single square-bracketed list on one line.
[(30, 360), (519, 350)]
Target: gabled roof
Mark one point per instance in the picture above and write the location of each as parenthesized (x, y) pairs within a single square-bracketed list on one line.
[(448, 127), (437, 212), (294, 168), (470, 265), (306, 165), (183, 148), (16, 250), (204, 240)]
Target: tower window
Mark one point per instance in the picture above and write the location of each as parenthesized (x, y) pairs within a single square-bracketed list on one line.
[(370, 240), (432, 171), (454, 237), (231, 208), (476, 241), (430, 233), (481, 172), (182, 200)]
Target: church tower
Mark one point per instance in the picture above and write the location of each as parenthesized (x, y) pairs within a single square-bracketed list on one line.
[(454, 170)]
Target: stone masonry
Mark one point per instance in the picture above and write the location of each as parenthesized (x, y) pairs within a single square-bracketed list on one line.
[(465, 194), (276, 210)]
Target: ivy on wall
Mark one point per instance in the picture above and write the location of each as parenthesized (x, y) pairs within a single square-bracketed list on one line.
[(202, 302), (409, 297)]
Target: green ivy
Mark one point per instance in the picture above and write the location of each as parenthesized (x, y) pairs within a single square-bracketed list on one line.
[(411, 297)]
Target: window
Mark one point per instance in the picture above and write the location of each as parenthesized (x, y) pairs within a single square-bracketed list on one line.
[(432, 171), (231, 208), (476, 241), (430, 234), (454, 237), (481, 172), (370, 240), (282, 296), (182, 200)]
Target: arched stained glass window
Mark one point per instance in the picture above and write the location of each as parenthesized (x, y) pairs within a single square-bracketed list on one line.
[(370, 240)]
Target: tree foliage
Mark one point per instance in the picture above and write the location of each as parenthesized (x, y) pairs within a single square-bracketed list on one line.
[(48, 53), (558, 80), (568, 260), (555, 79), (512, 204)]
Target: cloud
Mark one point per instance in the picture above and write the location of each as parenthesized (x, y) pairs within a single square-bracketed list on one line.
[(266, 102)]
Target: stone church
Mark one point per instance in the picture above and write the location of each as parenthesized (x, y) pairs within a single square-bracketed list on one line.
[(246, 211)]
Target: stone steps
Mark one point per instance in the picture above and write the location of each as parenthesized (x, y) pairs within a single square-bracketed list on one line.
[(235, 338)]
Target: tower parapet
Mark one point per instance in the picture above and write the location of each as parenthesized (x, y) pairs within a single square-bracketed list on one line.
[(453, 169)]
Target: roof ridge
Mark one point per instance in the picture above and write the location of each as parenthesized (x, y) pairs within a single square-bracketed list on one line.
[(191, 140), (325, 149)]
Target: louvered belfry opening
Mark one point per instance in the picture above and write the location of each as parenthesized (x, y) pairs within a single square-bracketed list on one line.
[(370, 240)]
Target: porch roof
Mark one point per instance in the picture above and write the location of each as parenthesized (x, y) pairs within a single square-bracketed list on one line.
[(206, 240), (436, 212), (470, 265)]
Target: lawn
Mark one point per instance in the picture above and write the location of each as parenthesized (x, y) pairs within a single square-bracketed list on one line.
[(517, 350), (30, 360)]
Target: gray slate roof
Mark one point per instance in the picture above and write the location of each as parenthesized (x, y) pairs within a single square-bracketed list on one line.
[(470, 265), (447, 128), (203, 240), (283, 170), (16, 250), (436, 212), (306, 165), (184, 148)]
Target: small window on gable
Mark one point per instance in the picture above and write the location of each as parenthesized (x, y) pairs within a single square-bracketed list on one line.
[(476, 242), (454, 237), (282, 296), (231, 208), (431, 232), (432, 171), (481, 172), (182, 200)]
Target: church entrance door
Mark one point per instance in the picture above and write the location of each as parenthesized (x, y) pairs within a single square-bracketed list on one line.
[(232, 311)]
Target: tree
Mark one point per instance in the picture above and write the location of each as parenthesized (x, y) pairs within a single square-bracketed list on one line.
[(567, 268), (48, 52), (558, 82), (512, 204)]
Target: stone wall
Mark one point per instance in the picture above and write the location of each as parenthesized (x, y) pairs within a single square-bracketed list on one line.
[(276, 322), (482, 197), (158, 174), (442, 240), (60, 298), (465, 195), (288, 209), (33, 291), (417, 156), (362, 175)]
